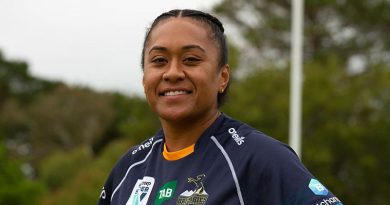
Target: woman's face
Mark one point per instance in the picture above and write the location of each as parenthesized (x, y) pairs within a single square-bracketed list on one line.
[(181, 74)]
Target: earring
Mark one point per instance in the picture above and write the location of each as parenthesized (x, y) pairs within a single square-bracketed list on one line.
[(221, 90)]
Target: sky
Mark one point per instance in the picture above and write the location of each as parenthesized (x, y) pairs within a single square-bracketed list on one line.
[(93, 43)]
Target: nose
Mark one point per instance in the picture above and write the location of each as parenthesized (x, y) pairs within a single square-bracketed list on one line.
[(174, 72)]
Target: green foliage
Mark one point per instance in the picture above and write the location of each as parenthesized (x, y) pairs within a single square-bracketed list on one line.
[(60, 167), (84, 186), (346, 114), (261, 100), (14, 187), (58, 120), (135, 118), (76, 116)]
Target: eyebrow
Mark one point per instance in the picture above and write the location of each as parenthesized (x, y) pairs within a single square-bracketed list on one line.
[(157, 48), (187, 47)]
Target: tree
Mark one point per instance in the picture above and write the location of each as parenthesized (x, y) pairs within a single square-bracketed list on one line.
[(66, 118), (17, 82), (345, 129), (349, 29)]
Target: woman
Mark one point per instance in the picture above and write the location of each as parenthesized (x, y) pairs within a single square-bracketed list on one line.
[(202, 156)]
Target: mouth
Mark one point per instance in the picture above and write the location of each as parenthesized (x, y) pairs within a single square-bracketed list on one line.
[(175, 93)]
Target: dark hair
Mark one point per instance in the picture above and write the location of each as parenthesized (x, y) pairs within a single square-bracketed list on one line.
[(217, 34)]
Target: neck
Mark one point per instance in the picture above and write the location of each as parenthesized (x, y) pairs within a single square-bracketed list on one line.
[(181, 135)]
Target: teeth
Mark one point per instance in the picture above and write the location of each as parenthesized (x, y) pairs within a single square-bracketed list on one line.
[(173, 93)]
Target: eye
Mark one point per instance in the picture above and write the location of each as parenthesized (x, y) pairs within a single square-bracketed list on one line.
[(191, 60), (159, 60)]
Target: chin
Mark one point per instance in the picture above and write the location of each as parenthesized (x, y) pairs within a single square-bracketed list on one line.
[(175, 115)]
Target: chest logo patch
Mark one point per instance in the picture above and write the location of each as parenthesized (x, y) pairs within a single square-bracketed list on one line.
[(166, 192), (141, 191), (197, 196)]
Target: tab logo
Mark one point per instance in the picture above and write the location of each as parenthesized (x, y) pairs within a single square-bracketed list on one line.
[(165, 193), (141, 191), (317, 188)]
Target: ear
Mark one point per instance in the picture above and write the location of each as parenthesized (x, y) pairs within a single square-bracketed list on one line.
[(224, 77)]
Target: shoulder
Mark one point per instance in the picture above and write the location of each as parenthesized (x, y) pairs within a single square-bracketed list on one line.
[(267, 165), (246, 140), (261, 155)]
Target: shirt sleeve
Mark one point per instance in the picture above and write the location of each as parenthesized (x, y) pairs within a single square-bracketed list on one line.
[(286, 181), (106, 193)]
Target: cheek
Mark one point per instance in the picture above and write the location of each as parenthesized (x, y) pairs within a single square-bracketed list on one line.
[(150, 82), (212, 81), (148, 88), (149, 94)]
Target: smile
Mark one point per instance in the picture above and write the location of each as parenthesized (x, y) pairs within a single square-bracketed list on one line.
[(175, 92)]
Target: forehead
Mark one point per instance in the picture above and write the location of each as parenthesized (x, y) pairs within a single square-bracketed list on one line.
[(181, 30)]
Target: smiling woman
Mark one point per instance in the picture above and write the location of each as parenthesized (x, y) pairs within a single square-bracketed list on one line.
[(182, 78), (201, 156)]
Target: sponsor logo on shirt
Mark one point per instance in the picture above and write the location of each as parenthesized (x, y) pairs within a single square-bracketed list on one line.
[(141, 191), (239, 140), (143, 146), (330, 201), (317, 188), (165, 193), (197, 196)]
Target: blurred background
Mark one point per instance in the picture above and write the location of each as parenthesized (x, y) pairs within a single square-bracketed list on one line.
[(71, 99)]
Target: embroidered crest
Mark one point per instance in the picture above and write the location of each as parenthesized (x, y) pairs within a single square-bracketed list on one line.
[(197, 196)]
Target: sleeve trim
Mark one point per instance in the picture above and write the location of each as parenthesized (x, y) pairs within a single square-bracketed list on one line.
[(231, 169)]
